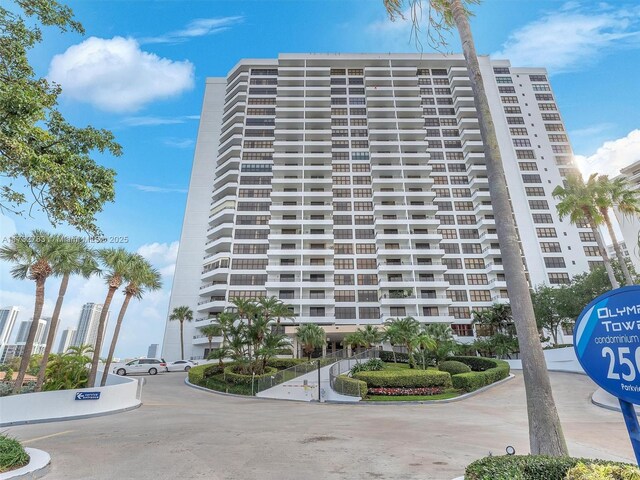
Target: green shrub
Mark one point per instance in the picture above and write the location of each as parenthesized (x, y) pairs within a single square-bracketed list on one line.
[(477, 364), (196, 374), (282, 363), (12, 454), (484, 371), (239, 379), (592, 471), (454, 367), (405, 378), (389, 357), (350, 386), (373, 365), (532, 467)]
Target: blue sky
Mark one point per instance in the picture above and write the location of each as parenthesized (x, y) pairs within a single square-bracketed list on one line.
[(140, 71)]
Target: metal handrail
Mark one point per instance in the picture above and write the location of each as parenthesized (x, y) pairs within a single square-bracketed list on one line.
[(344, 366)]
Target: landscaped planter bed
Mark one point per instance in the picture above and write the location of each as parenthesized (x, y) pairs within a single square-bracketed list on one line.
[(398, 392)]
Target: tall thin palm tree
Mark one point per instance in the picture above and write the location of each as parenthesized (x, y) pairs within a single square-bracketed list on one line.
[(310, 336), (116, 264), (33, 257), (617, 193), (545, 431), (181, 314), (75, 258), (210, 331), (141, 278), (403, 331), (577, 201)]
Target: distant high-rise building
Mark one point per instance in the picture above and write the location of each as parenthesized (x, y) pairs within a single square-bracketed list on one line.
[(66, 339), (8, 316), (41, 332), (630, 224), (87, 331), (7, 352), (153, 350)]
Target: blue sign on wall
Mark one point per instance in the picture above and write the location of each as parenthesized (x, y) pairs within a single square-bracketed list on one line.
[(87, 395), (607, 342)]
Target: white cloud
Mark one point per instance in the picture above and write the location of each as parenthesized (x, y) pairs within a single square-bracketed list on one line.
[(612, 155), (197, 28), (160, 254), (567, 39), (156, 189), (150, 121), (178, 142), (591, 130), (116, 75)]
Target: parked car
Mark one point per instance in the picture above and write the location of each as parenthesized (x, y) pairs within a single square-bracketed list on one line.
[(181, 366), (142, 365)]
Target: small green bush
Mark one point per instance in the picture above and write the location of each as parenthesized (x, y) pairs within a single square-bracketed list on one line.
[(477, 364), (239, 379), (350, 386), (405, 378), (12, 454), (389, 357), (592, 471), (373, 365), (282, 363), (532, 467), (454, 367), (484, 371)]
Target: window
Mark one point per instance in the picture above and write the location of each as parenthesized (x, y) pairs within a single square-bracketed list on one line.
[(369, 312), (528, 166), (452, 144), (252, 234), (365, 234), (462, 329), (507, 89), (525, 154), (464, 206), (367, 279), (343, 279), (450, 248), (558, 138), (258, 144), (534, 191), (547, 106), (363, 248), (512, 110), (249, 264), (559, 278), (448, 233), (343, 264), (542, 218), (457, 295), (538, 205), (343, 249), (531, 178), (587, 236), (545, 232), (253, 220), (501, 70), (342, 234), (459, 180), (398, 311), (550, 247), (591, 251), (474, 263), (367, 263), (544, 97), (469, 233), (538, 78), (248, 279), (504, 80), (554, 127), (243, 249), (521, 142), (345, 313), (454, 156), (454, 278), (509, 99), (518, 131), (460, 312), (471, 248), (367, 295), (285, 294), (445, 219), (452, 263), (344, 296), (554, 262), (316, 312), (477, 279), (480, 295), (551, 116), (342, 219), (358, 111)]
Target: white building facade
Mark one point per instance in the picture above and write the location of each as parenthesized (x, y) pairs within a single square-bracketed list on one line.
[(353, 187), (87, 330), (8, 317), (630, 226), (66, 339)]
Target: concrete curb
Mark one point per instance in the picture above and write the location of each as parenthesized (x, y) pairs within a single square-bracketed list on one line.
[(71, 417), (236, 395), (38, 466), (430, 402)]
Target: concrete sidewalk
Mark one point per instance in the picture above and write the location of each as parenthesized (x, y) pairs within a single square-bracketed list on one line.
[(305, 389)]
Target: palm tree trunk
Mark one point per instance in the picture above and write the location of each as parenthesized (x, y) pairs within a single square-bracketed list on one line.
[(99, 338), (603, 253), (114, 340), (616, 246), (28, 347), (181, 339), (545, 431), (52, 331)]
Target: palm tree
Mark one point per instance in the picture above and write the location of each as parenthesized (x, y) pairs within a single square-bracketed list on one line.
[(75, 258), (182, 314), (34, 257), (267, 305), (423, 342), (220, 354), (545, 431), (246, 308), (371, 336), (141, 278), (311, 336), (210, 331), (442, 334), (116, 265), (353, 339), (617, 193), (272, 343), (577, 201), (403, 331)]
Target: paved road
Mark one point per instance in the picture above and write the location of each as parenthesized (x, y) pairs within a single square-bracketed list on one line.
[(183, 433)]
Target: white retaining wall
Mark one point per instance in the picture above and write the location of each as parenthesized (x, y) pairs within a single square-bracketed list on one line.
[(120, 393), (558, 359)]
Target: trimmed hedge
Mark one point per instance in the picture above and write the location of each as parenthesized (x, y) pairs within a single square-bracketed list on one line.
[(386, 356), (454, 367), (603, 472), (477, 364), (405, 378), (484, 371), (239, 379), (350, 386), (282, 363), (527, 467)]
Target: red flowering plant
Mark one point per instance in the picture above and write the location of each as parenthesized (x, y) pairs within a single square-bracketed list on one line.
[(396, 392)]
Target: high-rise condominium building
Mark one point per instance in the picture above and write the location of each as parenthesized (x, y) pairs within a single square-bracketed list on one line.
[(354, 188), (8, 316), (66, 339), (87, 331), (152, 351), (41, 332), (630, 225)]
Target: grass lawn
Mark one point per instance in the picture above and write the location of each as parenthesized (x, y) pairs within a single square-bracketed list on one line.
[(411, 398)]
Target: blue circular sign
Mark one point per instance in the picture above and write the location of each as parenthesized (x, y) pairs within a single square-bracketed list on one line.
[(606, 340)]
